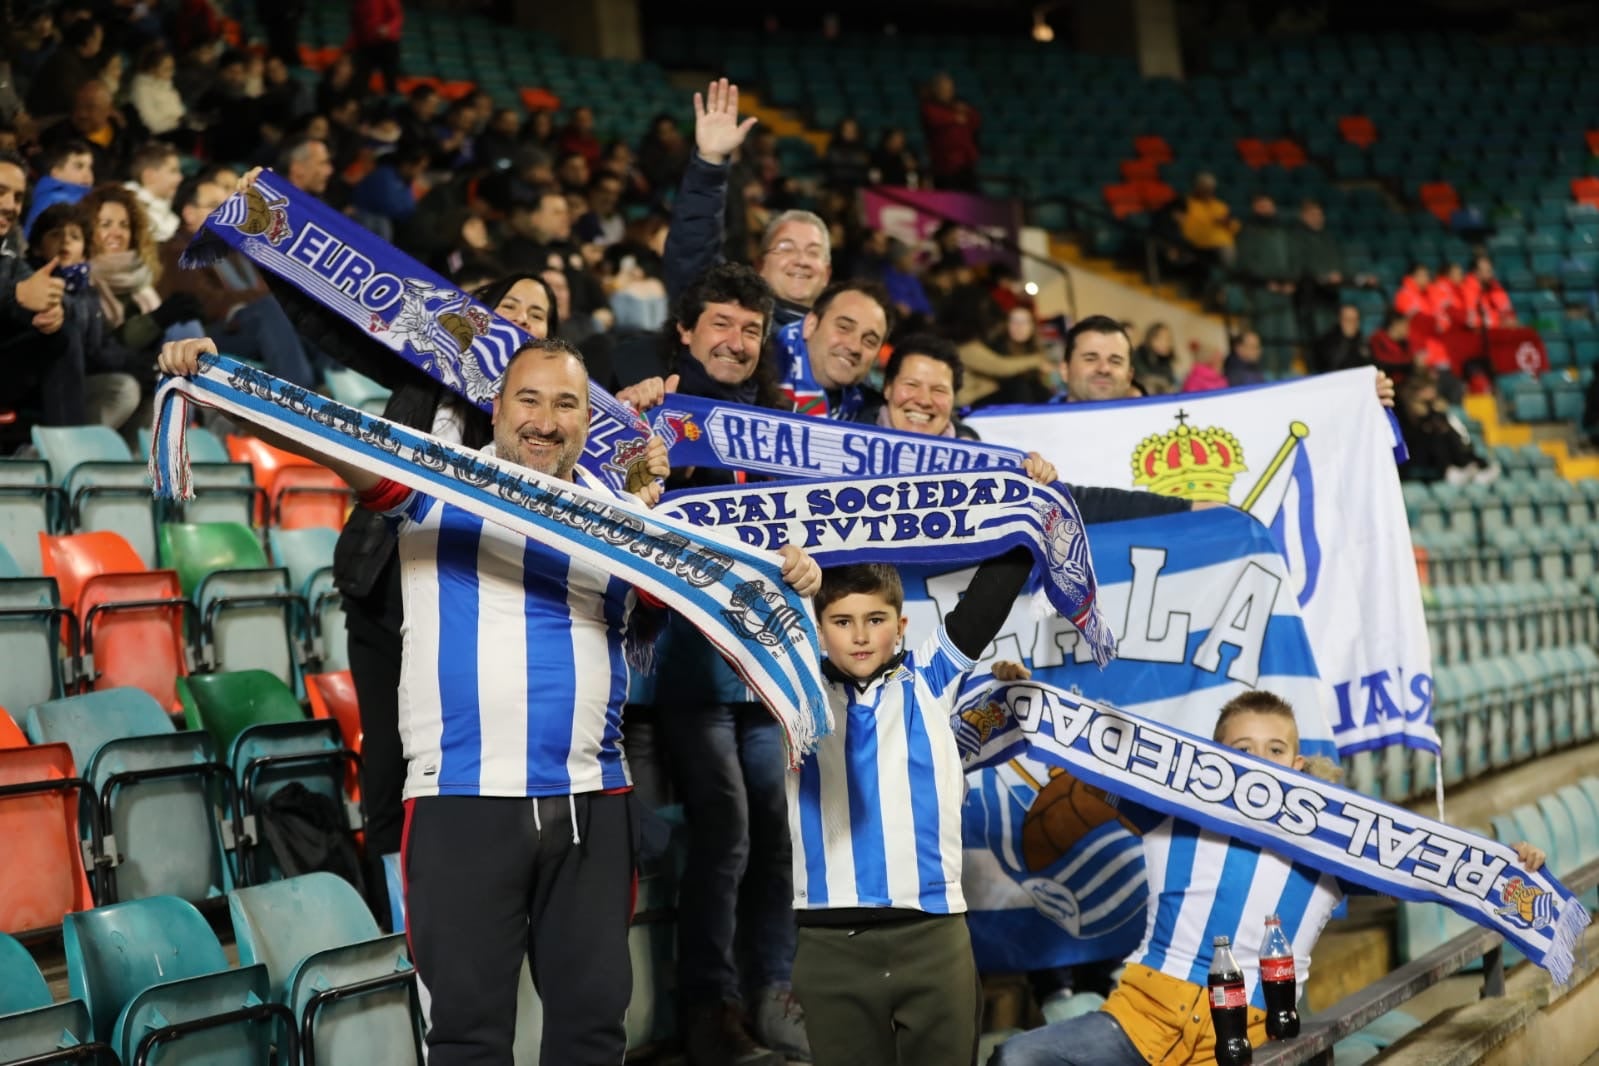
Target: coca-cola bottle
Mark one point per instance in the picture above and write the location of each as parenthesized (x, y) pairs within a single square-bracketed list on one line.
[(1278, 983), (1229, 1008)]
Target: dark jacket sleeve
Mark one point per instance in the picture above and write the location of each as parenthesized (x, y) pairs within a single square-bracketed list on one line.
[(343, 342), (694, 243), (1098, 504), (976, 619)]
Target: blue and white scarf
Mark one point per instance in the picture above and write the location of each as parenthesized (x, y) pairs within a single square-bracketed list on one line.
[(401, 304), (731, 436), (733, 595), (949, 518), (1360, 839)]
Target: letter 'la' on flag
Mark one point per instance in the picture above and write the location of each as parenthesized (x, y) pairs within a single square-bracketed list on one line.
[(1204, 609)]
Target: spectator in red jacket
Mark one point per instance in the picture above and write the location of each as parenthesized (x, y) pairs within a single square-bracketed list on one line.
[(951, 125), (1448, 297), (1487, 304), (375, 39), (578, 138), (1415, 293)]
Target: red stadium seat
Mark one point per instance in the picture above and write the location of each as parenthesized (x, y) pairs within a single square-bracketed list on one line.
[(1287, 154), (1155, 194), (73, 558), (133, 633), (10, 735), (1137, 170), (299, 492), (1253, 152), (1357, 130), (44, 878), (332, 696), (1585, 190), (1153, 147), (1123, 200)]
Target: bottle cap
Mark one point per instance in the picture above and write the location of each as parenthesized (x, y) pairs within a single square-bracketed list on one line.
[(1272, 919), (1222, 942)]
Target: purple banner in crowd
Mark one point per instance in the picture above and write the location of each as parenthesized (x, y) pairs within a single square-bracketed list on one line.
[(913, 215)]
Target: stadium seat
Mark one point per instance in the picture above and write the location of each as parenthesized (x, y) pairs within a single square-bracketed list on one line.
[(11, 735), (224, 492), (332, 696), (159, 832), (299, 493), (266, 758), (29, 500), (73, 558), (248, 616), (203, 446), (44, 878), (225, 704), (33, 666), (355, 390), (308, 555), (317, 940), (104, 487), (134, 633), (32, 1025), (151, 972)]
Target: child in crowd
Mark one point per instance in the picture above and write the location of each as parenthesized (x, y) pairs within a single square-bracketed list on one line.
[(1202, 885), (68, 175), (884, 965)]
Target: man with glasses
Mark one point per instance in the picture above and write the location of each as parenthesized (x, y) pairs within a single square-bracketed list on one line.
[(796, 255)]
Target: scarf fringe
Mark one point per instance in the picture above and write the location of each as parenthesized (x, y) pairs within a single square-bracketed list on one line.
[(1561, 958), (171, 477)]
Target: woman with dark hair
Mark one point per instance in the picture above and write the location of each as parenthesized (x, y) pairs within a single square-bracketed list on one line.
[(1154, 360), (1017, 338), (893, 163), (366, 571), (848, 161), (663, 155)]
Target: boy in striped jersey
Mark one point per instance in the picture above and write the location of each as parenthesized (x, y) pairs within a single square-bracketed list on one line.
[(1202, 885), (884, 964)]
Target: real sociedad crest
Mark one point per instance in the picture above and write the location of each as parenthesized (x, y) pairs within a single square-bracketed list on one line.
[(762, 614)]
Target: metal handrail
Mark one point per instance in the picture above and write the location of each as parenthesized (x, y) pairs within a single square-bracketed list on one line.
[(1315, 1041)]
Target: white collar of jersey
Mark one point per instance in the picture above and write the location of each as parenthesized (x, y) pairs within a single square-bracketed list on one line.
[(861, 684)]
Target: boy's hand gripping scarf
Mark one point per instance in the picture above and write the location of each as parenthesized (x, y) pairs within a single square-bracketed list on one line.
[(1360, 839), (734, 595), (402, 305), (731, 436), (949, 518)]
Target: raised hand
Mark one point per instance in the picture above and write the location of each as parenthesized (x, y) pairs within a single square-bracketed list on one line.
[(717, 130)]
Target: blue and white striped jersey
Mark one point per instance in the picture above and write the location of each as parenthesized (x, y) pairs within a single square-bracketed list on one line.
[(875, 811), (512, 675), (1203, 885)]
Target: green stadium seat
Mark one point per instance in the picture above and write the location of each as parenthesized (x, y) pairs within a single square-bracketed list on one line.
[(226, 704), (248, 614)]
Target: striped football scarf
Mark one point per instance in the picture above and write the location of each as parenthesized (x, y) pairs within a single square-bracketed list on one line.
[(734, 595), (400, 304), (1357, 838)]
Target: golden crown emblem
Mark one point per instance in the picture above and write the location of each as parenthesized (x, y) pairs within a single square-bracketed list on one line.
[(1193, 463)]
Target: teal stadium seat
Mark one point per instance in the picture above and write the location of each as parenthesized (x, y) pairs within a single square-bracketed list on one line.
[(151, 972), (32, 669), (308, 555), (29, 504), (32, 1024), (159, 832), (318, 941), (104, 487)]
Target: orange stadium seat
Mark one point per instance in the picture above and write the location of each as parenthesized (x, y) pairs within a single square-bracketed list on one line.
[(1253, 151), (133, 633), (10, 735), (1153, 147), (1137, 170), (299, 492), (1585, 190), (332, 695), (44, 879), (1287, 154), (1358, 130)]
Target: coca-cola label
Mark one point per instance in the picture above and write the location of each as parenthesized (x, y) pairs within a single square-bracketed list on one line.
[(1277, 969), (1226, 997)]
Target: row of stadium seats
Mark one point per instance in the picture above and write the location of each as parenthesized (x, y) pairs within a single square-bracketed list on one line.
[(1557, 397), (99, 618), (1530, 554), (86, 480), (313, 966), (1470, 622), (1565, 824), (107, 800)]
